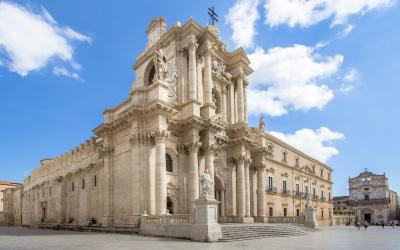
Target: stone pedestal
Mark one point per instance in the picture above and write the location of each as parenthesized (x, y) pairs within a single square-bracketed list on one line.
[(206, 227), (310, 214)]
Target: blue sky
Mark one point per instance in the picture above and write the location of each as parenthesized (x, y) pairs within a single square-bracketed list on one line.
[(326, 74)]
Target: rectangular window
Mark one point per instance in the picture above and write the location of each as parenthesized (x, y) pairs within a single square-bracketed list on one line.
[(366, 197), (322, 213), (73, 187), (306, 190), (284, 186), (271, 211), (313, 192), (297, 212), (83, 183), (322, 194), (270, 183), (95, 181), (297, 189), (285, 211)]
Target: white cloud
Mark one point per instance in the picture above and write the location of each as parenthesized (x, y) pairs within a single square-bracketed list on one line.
[(61, 71), (349, 79), (29, 41), (305, 13), (289, 78), (317, 143), (242, 18), (349, 28)]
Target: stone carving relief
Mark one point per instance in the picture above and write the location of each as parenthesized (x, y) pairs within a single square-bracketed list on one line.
[(166, 70), (219, 69), (160, 64)]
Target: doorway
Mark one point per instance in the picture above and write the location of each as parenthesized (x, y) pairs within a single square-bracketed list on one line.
[(367, 217)]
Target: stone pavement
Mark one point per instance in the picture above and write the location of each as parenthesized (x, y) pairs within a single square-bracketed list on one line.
[(327, 238)]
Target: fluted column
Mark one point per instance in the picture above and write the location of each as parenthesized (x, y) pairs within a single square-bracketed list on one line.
[(192, 47), (223, 110), (253, 192), (240, 187), (161, 173), (193, 184), (240, 98), (232, 103), (222, 203), (207, 73), (245, 102), (261, 191), (247, 186)]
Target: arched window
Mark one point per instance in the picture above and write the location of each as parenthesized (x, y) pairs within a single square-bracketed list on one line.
[(170, 206), (151, 75), (168, 163)]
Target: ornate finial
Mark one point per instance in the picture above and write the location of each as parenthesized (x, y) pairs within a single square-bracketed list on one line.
[(261, 124), (213, 16), (365, 169)]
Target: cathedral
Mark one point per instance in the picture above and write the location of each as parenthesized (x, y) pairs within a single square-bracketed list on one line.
[(186, 114)]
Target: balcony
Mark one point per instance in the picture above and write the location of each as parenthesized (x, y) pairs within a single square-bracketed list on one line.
[(271, 190), (285, 192), (323, 199), (370, 201), (315, 197)]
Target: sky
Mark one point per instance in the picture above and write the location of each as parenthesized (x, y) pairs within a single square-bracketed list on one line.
[(326, 74)]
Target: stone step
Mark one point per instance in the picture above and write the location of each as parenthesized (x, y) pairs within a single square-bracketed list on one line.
[(233, 232)]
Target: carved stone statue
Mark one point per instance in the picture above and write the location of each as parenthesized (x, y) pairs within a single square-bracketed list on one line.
[(160, 65), (261, 123), (206, 183)]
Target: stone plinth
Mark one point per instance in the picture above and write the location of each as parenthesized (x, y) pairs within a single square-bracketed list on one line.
[(206, 227), (310, 219)]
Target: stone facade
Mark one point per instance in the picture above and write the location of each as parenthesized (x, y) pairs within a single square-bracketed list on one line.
[(186, 112), (5, 186), (369, 199)]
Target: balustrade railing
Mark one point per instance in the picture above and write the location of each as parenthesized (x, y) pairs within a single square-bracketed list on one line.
[(271, 190), (170, 219), (286, 219)]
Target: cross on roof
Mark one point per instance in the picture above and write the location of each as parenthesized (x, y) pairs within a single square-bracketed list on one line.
[(213, 16)]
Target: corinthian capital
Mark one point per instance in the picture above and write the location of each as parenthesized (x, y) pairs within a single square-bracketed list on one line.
[(193, 147), (192, 44), (160, 135)]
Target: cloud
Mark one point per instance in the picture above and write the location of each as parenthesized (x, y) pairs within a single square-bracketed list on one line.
[(61, 71), (242, 18), (348, 81), (305, 13), (349, 28), (317, 143), (31, 41), (290, 78)]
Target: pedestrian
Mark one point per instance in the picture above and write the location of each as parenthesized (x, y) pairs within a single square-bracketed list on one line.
[(358, 225), (383, 224), (365, 225)]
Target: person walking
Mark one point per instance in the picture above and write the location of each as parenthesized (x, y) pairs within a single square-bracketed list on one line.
[(365, 225), (383, 224)]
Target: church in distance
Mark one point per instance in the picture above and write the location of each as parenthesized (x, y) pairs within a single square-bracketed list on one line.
[(186, 113)]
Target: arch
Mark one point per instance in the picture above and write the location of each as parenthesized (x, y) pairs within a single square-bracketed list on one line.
[(170, 205), (149, 73)]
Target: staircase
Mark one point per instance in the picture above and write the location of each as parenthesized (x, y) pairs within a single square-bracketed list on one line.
[(233, 232)]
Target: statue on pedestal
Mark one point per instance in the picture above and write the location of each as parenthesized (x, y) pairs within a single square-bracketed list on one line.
[(206, 183), (261, 125)]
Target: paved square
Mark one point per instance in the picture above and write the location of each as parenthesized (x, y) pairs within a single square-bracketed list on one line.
[(327, 238)]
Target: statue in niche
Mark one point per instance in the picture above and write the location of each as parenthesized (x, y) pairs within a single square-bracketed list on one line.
[(160, 65), (206, 183), (261, 123), (214, 99)]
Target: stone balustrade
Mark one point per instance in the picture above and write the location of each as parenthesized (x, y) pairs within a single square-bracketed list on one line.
[(286, 219), (168, 219)]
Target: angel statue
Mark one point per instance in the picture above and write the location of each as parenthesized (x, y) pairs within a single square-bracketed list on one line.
[(160, 64), (206, 183)]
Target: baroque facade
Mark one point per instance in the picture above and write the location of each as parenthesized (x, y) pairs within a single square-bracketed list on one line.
[(370, 199), (186, 113), (4, 186)]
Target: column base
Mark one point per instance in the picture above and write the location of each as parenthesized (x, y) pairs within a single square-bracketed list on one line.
[(261, 219), (107, 221), (244, 220)]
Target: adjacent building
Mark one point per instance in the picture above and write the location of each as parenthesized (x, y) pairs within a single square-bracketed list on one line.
[(186, 112), (4, 185), (370, 199)]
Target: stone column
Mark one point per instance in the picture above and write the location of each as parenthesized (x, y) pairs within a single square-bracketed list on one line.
[(240, 188), (223, 110), (253, 191), (247, 186), (207, 73), (107, 183), (261, 192), (161, 173), (245, 101), (192, 47), (222, 203), (232, 103), (240, 97), (193, 184), (232, 189)]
